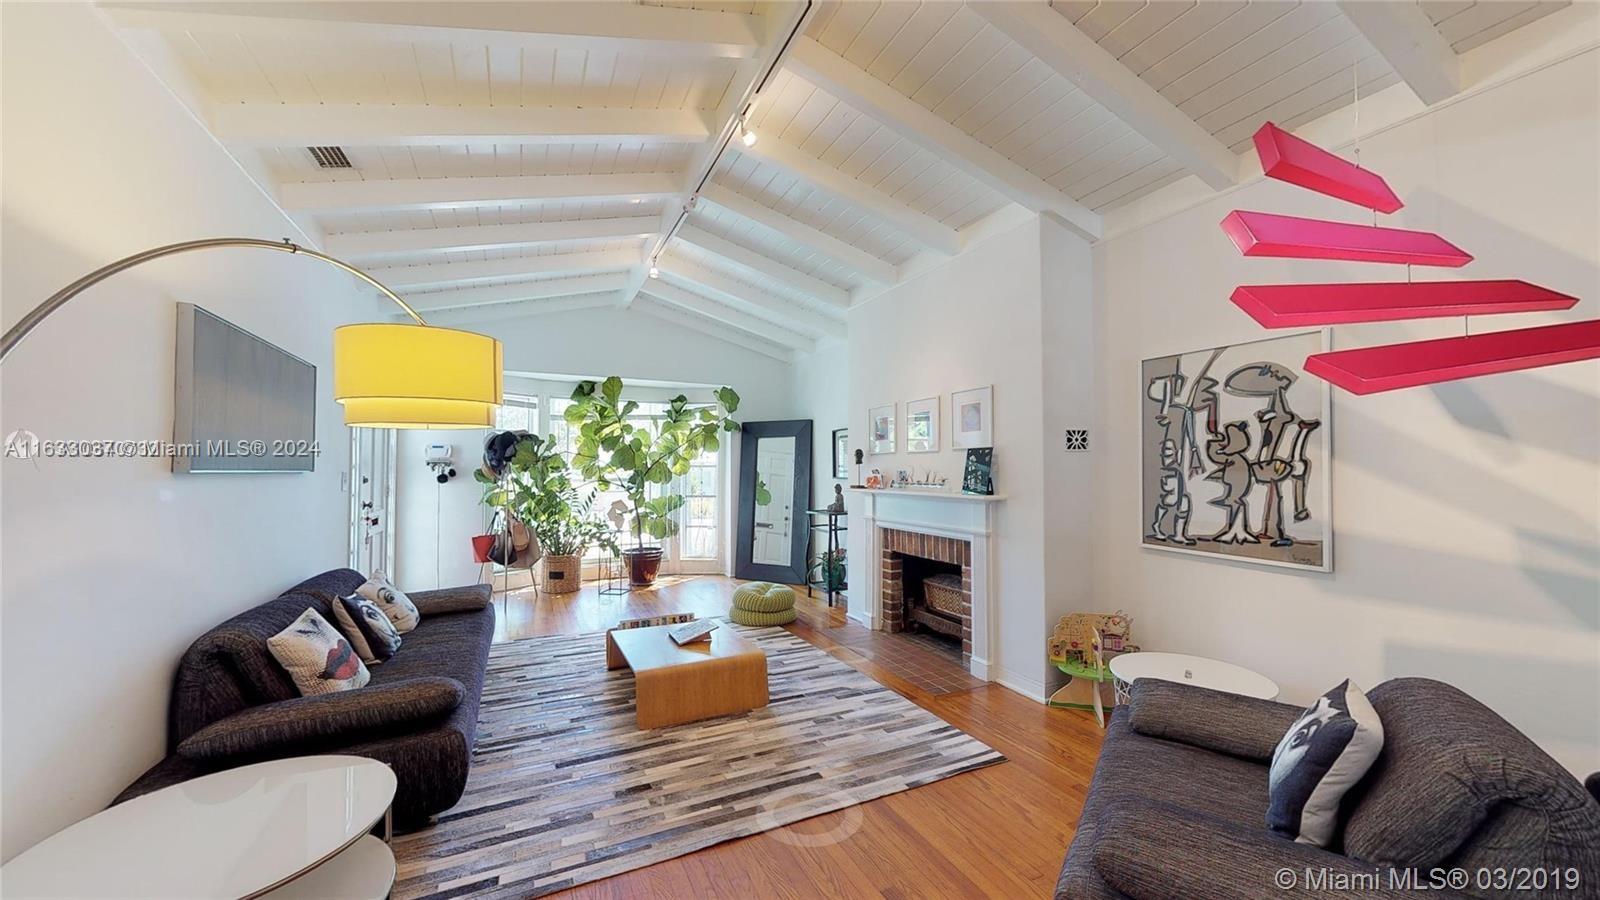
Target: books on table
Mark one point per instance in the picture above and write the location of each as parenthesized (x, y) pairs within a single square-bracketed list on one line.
[(689, 632)]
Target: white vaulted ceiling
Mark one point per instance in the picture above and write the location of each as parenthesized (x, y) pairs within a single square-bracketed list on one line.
[(510, 159)]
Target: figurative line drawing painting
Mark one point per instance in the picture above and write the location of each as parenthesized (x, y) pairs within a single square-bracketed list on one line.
[(1234, 454)]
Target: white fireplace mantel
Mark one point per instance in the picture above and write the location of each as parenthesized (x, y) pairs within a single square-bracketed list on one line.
[(968, 517)]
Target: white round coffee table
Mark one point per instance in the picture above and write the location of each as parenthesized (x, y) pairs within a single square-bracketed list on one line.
[(239, 833), (1195, 670)]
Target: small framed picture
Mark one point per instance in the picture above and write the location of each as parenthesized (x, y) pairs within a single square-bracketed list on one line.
[(880, 421), (978, 475), (841, 453), (922, 426), (972, 418)]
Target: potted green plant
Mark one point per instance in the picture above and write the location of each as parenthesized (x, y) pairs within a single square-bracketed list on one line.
[(643, 458), (828, 570), (538, 489)]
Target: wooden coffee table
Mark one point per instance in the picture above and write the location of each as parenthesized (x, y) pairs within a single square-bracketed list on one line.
[(674, 684)]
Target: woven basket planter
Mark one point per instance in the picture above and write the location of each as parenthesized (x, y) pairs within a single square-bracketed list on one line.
[(563, 574)]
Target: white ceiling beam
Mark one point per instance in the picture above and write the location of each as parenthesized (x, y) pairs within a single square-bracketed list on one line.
[(744, 340), (919, 125), (381, 125), (401, 278), (733, 318), (1405, 37), (501, 311), (920, 227), (495, 294), (851, 257), (370, 244), (758, 303), (456, 193), (1059, 44), (602, 27), (761, 266)]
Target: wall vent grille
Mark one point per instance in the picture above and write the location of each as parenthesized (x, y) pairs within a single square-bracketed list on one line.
[(330, 157)]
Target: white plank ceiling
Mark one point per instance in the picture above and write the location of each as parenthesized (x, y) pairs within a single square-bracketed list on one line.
[(954, 121)]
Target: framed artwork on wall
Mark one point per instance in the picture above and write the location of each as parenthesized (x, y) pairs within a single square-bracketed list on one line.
[(972, 418), (1235, 453), (922, 426), (880, 429), (841, 453)]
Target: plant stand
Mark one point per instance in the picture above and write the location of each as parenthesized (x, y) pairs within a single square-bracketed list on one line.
[(611, 569), (835, 544)]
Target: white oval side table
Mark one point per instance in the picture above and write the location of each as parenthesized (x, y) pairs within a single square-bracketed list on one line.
[(1196, 670), (238, 833)]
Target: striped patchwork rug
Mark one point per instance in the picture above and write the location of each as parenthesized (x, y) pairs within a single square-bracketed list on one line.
[(565, 789)]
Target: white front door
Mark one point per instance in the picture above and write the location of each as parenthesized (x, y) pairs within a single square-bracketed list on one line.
[(372, 499)]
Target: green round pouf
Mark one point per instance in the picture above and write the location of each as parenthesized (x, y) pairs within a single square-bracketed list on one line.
[(762, 619), (763, 597)]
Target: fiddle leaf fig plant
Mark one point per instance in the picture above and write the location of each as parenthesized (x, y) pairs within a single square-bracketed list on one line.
[(642, 458)]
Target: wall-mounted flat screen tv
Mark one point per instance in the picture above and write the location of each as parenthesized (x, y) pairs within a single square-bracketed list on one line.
[(243, 404)]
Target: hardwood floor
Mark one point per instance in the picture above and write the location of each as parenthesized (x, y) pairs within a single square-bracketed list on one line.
[(997, 832)]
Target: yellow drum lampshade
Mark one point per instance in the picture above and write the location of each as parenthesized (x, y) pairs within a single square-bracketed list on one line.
[(416, 376)]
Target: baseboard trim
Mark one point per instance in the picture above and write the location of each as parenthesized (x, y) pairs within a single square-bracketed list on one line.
[(1027, 687)]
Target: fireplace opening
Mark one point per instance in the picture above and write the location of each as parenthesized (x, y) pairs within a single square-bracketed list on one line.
[(933, 597)]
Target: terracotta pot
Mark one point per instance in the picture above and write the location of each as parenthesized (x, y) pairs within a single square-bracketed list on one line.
[(563, 574), (642, 565)]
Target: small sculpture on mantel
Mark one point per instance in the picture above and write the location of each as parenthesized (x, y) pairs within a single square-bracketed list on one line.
[(837, 506)]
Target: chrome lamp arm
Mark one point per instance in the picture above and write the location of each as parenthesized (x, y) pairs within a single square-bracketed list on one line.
[(27, 323)]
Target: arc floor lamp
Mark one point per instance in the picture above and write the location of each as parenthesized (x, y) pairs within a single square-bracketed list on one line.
[(385, 375)]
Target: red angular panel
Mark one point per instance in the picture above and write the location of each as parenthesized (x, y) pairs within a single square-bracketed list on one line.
[(1297, 305), (1369, 370), (1266, 234), (1288, 158)]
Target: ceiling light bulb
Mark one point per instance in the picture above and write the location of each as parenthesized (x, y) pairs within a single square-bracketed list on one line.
[(749, 137), (655, 272)]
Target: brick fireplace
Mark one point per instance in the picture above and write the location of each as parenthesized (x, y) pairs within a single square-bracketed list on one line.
[(909, 560)]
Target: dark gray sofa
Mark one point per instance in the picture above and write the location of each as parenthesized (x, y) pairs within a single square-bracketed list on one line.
[(232, 704), (1177, 808)]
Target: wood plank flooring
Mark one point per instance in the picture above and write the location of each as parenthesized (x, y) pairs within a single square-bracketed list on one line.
[(998, 832)]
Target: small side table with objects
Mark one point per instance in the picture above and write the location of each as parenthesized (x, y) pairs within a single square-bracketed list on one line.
[(289, 828), (1195, 670)]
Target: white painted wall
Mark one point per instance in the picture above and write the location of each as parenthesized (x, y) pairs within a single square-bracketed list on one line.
[(434, 523), (111, 567), (1069, 357), (821, 394), (1467, 516), (970, 322)]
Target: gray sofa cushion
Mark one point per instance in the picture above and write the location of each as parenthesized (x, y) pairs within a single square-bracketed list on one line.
[(1457, 785), (1134, 767), (1227, 723), (1159, 850), (469, 598), (305, 723)]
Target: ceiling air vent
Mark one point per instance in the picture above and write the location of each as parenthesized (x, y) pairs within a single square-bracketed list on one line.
[(330, 157)]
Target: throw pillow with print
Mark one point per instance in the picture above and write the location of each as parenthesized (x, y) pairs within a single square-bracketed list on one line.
[(370, 632), (317, 657), (1326, 751), (393, 601)]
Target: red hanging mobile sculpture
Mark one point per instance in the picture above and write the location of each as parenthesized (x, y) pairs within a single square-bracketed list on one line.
[(1370, 370)]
